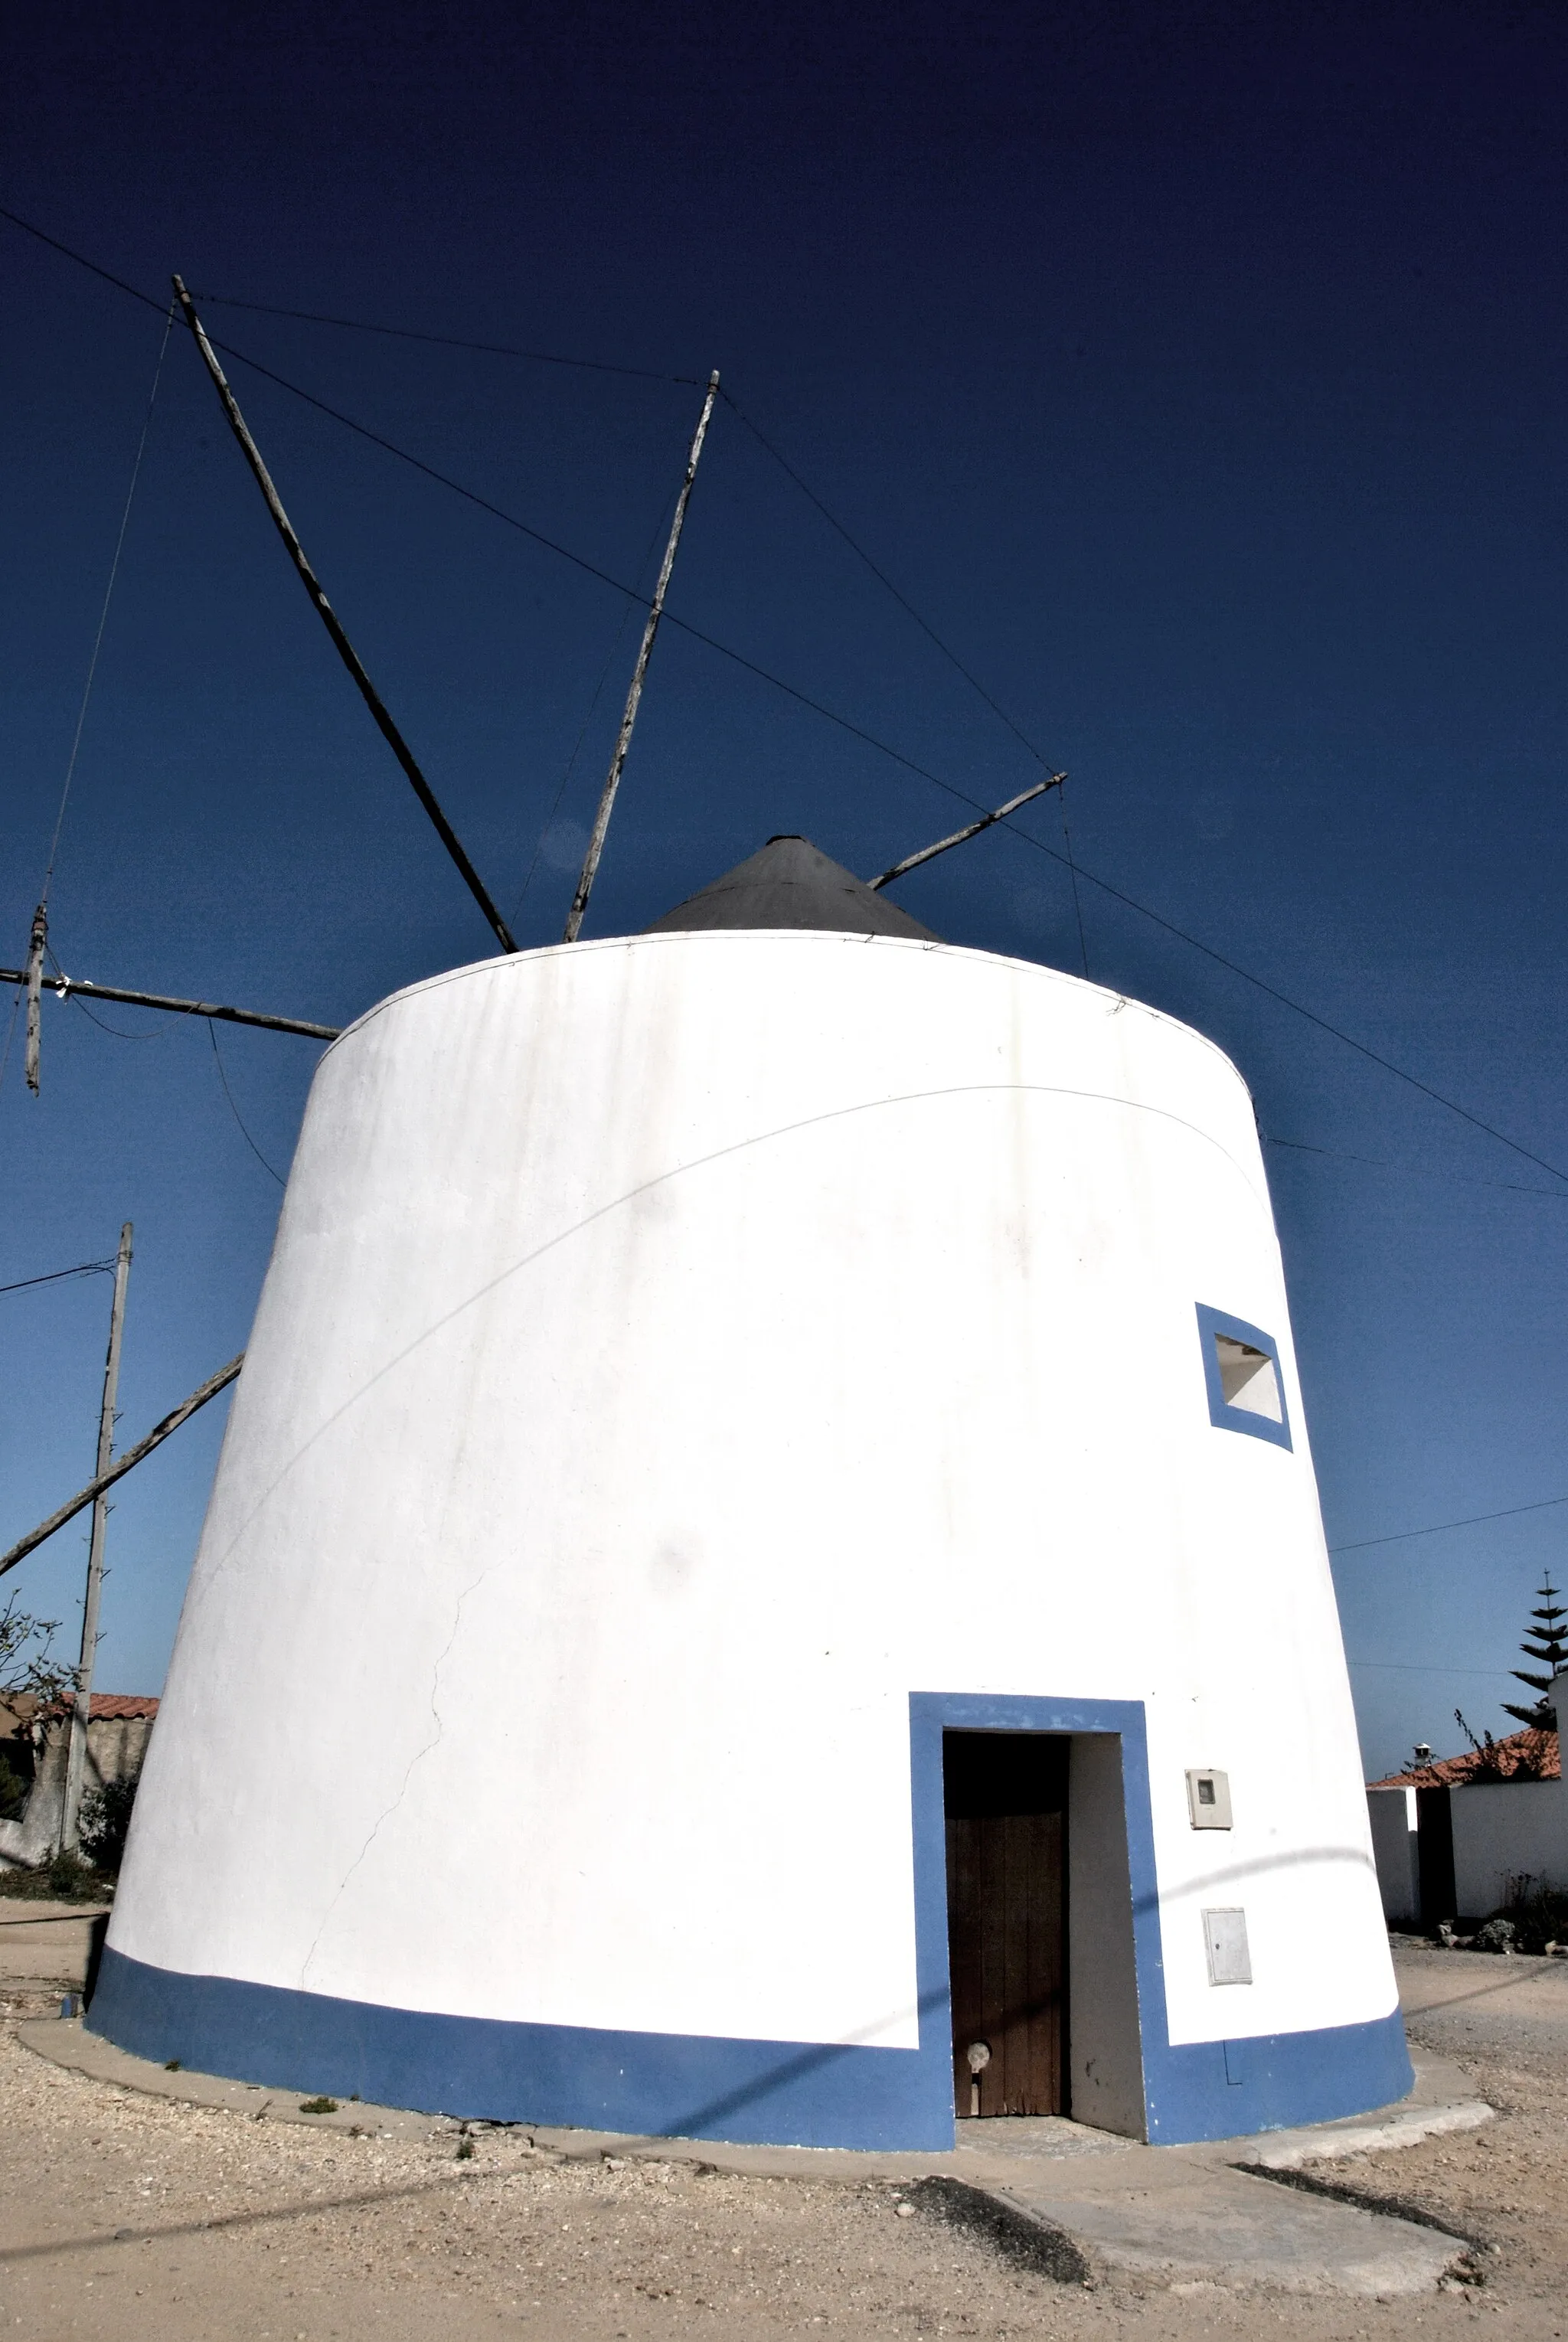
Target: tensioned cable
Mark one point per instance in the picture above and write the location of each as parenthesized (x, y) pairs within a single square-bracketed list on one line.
[(737, 658), (1072, 873), (883, 579), (858, 731), (445, 341), (659, 527), (108, 597), (1414, 1170), (56, 1275), (1069, 863), (592, 569), (92, 666), (927, 629), (544, 357)]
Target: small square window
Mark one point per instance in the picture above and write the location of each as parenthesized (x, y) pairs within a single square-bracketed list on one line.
[(1226, 1940), (1248, 1377), (1241, 1371)]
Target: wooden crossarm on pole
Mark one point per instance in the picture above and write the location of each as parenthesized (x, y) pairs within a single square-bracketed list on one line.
[(66, 985)]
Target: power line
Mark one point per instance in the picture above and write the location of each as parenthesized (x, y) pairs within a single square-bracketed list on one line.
[(115, 1032), (1471, 1520), (56, 1275), (244, 1134)]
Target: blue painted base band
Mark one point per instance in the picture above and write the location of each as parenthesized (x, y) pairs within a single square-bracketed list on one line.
[(676, 2086), (1225, 2089), (652, 2085), (762, 2093)]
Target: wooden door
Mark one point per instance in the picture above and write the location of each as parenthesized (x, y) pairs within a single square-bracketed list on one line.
[(1005, 1797)]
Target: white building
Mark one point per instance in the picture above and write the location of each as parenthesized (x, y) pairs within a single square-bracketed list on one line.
[(1461, 1838), (712, 1389)]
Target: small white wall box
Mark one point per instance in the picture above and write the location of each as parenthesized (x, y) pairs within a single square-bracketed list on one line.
[(1209, 1798), (1225, 1939)]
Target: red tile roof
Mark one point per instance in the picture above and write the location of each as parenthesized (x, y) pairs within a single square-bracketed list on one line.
[(131, 1703), (1529, 1756)]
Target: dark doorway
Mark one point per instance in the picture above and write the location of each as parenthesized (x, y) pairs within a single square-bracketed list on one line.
[(1005, 1798), (1434, 1855)]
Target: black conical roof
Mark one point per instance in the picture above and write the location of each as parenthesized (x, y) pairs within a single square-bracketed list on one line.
[(791, 883)]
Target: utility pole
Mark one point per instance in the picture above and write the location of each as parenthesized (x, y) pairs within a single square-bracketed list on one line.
[(624, 738), (76, 1760)]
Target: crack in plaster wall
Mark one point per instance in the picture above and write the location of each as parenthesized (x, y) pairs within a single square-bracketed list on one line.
[(416, 1760)]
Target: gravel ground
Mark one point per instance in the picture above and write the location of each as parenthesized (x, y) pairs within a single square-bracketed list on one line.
[(133, 2217)]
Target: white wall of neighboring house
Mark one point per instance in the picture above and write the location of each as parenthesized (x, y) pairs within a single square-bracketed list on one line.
[(1395, 1850), (116, 1749), (1504, 1831)]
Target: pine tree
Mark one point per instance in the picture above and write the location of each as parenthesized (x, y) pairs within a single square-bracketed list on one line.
[(1545, 1642)]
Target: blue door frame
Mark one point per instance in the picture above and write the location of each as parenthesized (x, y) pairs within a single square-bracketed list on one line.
[(1191, 2090)]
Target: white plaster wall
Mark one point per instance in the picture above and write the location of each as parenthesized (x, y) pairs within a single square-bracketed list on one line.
[(1503, 1830), (1396, 1852), (674, 1352)]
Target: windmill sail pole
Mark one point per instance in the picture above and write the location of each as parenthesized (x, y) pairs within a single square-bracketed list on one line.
[(37, 942), (971, 829), (330, 620), (624, 737)]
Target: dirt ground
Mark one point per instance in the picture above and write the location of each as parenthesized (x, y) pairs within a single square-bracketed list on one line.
[(131, 2217)]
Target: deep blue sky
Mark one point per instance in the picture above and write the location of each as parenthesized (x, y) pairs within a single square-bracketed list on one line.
[(1197, 373)]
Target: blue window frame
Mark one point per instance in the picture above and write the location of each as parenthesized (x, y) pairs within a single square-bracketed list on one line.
[(1241, 1371)]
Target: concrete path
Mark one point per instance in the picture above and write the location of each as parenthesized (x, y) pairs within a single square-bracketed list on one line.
[(1181, 2217), (1176, 2216)]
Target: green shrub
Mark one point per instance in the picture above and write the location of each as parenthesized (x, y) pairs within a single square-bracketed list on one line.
[(66, 1878), (105, 1818), (1539, 1916)]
